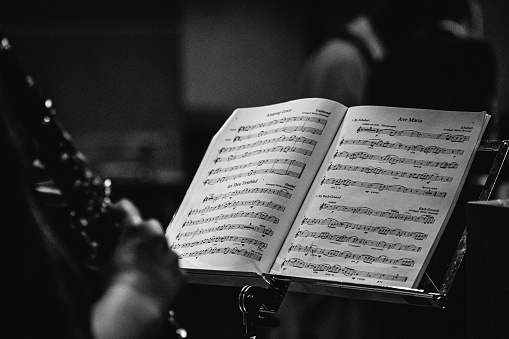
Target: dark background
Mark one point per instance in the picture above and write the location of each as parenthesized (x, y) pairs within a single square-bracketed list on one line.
[(143, 85)]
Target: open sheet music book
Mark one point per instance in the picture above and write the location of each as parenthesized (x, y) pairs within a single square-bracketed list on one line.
[(313, 189)]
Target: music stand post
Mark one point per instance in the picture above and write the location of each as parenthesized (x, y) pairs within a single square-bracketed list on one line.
[(259, 304)]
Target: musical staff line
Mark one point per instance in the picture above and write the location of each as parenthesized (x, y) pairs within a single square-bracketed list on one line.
[(382, 230), (227, 238), (255, 215), (283, 138), (275, 149), (349, 272), (391, 173), (287, 129), (415, 134), (223, 250), (283, 121), (264, 231), (285, 162), (393, 159), (357, 241), (366, 258), (278, 171), (235, 203), (382, 187), (280, 193), (391, 214), (398, 145)]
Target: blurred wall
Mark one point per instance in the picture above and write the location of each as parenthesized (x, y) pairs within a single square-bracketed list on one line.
[(237, 54), (496, 22), (112, 72)]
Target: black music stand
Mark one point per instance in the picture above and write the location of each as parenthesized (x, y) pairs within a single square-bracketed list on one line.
[(259, 304)]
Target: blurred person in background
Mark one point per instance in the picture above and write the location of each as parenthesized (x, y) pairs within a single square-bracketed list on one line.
[(419, 54)]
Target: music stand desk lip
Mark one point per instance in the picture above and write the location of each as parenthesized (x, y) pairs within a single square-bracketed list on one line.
[(401, 295)]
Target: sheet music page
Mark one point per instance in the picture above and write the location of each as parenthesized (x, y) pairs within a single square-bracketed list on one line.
[(377, 206), (251, 183)]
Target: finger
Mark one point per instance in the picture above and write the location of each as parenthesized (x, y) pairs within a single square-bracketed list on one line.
[(154, 226), (126, 212)]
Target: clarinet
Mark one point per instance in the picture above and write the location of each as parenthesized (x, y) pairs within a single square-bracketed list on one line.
[(86, 195)]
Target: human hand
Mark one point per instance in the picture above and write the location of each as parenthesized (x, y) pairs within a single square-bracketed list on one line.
[(144, 280), (143, 259)]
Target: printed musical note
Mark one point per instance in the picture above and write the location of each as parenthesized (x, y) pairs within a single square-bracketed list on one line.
[(414, 134), (382, 187), (286, 129), (264, 231), (275, 149), (295, 139), (214, 239), (252, 173), (393, 159), (287, 163), (222, 250), (334, 269), (283, 121), (398, 145), (278, 192), (235, 203), (391, 214), (392, 173), (255, 215), (366, 258), (334, 223), (357, 241)]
